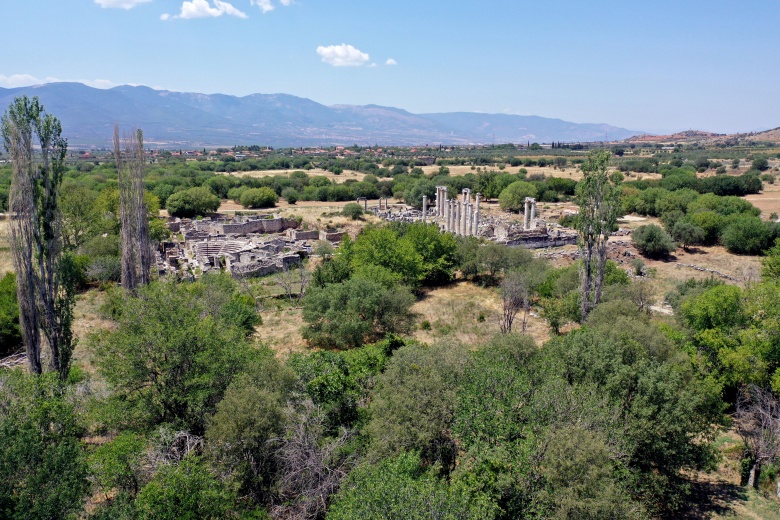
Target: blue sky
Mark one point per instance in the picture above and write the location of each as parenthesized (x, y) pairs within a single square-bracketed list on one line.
[(654, 66)]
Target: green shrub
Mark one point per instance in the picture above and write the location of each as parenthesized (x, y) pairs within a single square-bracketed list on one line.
[(259, 198), (352, 210), (653, 241)]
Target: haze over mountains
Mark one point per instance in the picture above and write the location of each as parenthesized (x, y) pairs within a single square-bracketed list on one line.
[(190, 119)]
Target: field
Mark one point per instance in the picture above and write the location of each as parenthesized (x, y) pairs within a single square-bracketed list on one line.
[(768, 201)]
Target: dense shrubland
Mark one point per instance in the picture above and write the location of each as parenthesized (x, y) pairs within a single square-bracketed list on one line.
[(184, 413)]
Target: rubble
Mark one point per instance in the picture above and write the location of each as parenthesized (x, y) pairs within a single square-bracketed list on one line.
[(243, 246)]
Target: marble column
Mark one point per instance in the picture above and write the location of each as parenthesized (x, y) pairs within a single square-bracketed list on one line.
[(526, 214), (425, 207), (533, 213), (476, 215)]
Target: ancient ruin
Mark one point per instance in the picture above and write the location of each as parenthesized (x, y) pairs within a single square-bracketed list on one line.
[(461, 216), (255, 245)]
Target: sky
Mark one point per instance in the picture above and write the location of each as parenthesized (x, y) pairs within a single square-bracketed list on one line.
[(656, 66)]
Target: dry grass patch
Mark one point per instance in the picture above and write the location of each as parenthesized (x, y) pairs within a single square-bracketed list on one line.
[(87, 320), (346, 175), (768, 201), (281, 329), (6, 262), (466, 312)]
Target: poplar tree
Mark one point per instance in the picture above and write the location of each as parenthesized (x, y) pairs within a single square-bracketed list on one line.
[(599, 201), (44, 287), (137, 255)]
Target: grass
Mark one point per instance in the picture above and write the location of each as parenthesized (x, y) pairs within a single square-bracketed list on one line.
[(6, 262), (466, 312), (720, 495)]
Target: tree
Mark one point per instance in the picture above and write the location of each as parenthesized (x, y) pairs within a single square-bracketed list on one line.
[(515, 296), (758, 423), (352, 210), (45, 295), (652, 241), (599, 202), (770, 264), (512, 198), (173, 353), (42, 462), (185, 491), (259, 198), (402, 487), (351, 313), (192, 202), (687, 234), (760, 164), (413, 404), (79, 214), (746, 236), (137, 254)]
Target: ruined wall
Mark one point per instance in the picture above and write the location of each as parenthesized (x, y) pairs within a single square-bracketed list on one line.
[(271, 225)]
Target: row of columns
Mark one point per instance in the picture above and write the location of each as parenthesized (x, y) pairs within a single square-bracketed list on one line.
[(460, 217)]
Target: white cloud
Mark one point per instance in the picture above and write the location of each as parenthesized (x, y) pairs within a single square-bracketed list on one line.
[(98, 83), (391, 61), (18, 80), (372, 65), (203, 9), (342, 55), (285, 2), (26, 80), (265, 5), (120, 4)]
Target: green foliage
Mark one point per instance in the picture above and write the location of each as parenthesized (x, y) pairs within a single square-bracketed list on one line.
[(42, 463), (185, 491), (116, 465), (10, 333), (400, 487), (259, 198), (352, 210), (770, 265), (354, 312), (687, 234), (652, 241), (171, 356), (192, 202), (244, 431), (746, 236), (291, 195), (512, 198), (413, 404), (760, 163)]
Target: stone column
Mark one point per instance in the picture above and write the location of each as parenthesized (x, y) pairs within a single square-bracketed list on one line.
[(451, 219), (466, 195), (533, 213), (469, 210), (476, 215), (464, 219), (425, 207), (526, 214), (444, 198), (447, 215)]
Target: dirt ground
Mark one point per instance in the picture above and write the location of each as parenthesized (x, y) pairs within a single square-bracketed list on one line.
[(768, 201)]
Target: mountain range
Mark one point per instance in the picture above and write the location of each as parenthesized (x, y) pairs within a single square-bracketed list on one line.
[(175, 119)]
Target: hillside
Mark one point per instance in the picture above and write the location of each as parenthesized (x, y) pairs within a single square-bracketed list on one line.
[(191, 119)]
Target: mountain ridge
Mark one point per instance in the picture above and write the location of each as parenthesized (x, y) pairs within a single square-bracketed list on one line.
[(171, 118)]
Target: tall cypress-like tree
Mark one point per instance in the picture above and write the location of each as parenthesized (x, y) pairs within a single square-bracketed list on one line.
[(45, 295), (137, 256), (599, 201)]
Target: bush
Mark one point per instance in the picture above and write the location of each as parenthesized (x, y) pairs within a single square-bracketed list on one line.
[(192, 202), (259, 198), (746, 236), (653, 241), (352, 210), (290, 195), (760, 164), (512, 198), (10, 333)]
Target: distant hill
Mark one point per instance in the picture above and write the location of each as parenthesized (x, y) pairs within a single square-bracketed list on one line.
[(189, 119)]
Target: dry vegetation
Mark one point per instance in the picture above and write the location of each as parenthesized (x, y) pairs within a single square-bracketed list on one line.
[(466, 312), (6, 263), (347, 174)]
